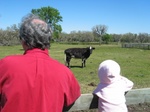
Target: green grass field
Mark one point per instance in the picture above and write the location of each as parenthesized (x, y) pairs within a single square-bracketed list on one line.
[(134, 63)]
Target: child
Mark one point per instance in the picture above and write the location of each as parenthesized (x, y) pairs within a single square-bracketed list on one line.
[(112, 87)]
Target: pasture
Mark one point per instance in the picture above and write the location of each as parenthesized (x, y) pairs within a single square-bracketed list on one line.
[(135, 63)]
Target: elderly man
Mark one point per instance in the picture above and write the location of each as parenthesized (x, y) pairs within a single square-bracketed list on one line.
[(34, 82)]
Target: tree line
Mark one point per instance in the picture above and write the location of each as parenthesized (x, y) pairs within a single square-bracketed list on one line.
[(86, 36), (10, 37)]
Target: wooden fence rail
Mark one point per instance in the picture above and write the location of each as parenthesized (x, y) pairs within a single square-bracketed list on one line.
[(89, 101), (136, 45)]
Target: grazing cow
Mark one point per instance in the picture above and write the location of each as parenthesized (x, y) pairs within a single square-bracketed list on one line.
[(81, 53)]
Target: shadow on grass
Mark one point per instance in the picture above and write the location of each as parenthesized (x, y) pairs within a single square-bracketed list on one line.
[(76, 67)]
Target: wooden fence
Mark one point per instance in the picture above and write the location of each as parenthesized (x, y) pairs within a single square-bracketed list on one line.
[(89, 101), (136, 45)]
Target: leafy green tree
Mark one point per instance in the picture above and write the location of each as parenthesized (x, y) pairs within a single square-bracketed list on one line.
[(106, 38), (52, 17)]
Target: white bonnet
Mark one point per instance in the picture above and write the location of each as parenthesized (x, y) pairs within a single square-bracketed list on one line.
[(109, 71)]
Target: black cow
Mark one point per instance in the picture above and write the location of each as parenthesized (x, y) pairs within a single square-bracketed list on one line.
[(81, 53)]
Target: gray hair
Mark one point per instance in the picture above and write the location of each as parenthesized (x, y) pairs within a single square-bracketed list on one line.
[(35, 34)]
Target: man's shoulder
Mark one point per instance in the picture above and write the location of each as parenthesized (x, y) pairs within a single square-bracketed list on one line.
[(10, 58), (60, 64)]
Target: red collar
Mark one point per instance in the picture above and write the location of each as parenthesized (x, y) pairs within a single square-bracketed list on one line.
[(36, 51)]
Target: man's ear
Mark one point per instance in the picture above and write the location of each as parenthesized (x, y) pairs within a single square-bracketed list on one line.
[(25, 47)]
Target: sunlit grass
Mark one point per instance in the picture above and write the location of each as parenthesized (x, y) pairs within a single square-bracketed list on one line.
[(134, 63)]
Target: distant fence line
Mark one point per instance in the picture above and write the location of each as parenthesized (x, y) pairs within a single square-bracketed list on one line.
[(136, 45)]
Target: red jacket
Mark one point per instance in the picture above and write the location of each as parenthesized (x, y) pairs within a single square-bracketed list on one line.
[(34, 82)]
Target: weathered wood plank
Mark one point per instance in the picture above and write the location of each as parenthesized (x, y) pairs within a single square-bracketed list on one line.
[(136, 45)]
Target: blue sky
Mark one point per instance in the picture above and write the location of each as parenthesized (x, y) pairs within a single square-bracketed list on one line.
[(120, 16)]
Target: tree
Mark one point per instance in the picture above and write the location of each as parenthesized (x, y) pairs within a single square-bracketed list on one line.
[(52, 17), (106, 38), (99, 30), (143, 37)]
